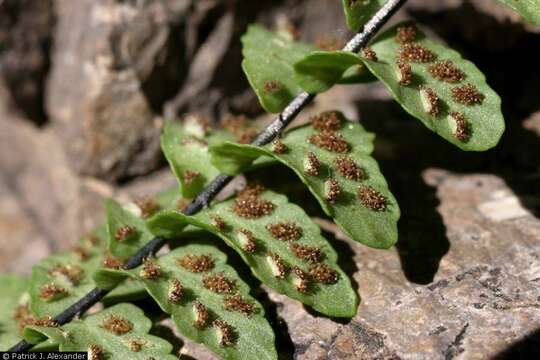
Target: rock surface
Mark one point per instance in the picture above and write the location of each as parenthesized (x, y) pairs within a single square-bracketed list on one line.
[(463, 281)]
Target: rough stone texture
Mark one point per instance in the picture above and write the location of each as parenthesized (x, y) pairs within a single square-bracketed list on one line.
[(25, 39), (463, 281), (105, 54)]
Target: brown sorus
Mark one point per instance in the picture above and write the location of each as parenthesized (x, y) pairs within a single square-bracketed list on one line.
[(328, 43), (406, 33), (312, 254), (235, 124), (246, 136), (300, 279), (123, 232), (190, 176), (112, 262), (467, 94), (312, 165), (136, 345), (46, 321), (95, 352), (331, 190), (249, 205), (416, 53), (272, 86), (430, 100), (116, 324), (371, 198), (326, 121), (279, 269), (285, 231), (329, 140), (349, 169), (462, 130), (405, 74), (251, 190), (219, 283), (237, 303), (370, 54), (278, 147), (176, 291), (323, 273), (147, 205), (71, 272), (226, 333), (50, 292), (23, 316), (445, 70), (246, 240), (218, 222), (196, 263), (82, 252), (201, 315), (150, 270)]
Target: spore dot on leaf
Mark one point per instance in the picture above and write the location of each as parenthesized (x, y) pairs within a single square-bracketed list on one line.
[(246, 240), (190, 176), (312, 165), (112, 262), (247, 136), (446, 70), (328, 43), (29, 320), (70, 272), (278, 267), (192, 140), (150, 270), (404, 73), (372, 199), (285, 231), (461, 126), (249, 205), (176, 291), (331, 190), (272, 86), (196, 263), (349, 169), (430, 100), (237, 303), (202, 316), (225, 332), (219, 283), (82, 252), (95, 352), (278, 147), (467, 94), (370, 54), (235, 124), (323, 273), (326, 121), (218, 222), (312, 254), (406, 33), (136, 345), (300, 279), (124, 232), (330, 141), (147, 205), (116, 324), (51, 292), (416, 53)]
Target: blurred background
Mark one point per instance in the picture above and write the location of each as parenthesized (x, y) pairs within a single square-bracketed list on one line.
[(85, 86)]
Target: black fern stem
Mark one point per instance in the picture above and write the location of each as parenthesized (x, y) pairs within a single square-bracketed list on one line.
[(204, 198)]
